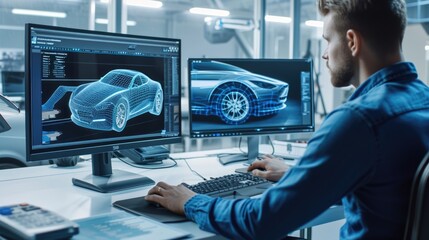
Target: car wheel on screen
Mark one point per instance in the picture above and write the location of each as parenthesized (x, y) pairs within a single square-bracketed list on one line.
[(234, 105), (157, 102), (120, 115)]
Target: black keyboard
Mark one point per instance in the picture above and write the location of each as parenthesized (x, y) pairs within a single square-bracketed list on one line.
[(233, 185)]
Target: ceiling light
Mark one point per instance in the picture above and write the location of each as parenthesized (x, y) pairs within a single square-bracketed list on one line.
[(277, 19), (101, 21), (314, 23), (39, 13), (140, 3), (209, 12), (131, 23), (105, 21), (427, 47), (9, 27)]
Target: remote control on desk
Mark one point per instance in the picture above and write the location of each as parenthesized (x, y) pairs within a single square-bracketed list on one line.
[(25, 221)]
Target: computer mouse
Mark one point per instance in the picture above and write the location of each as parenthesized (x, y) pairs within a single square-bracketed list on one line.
[(154, 204)]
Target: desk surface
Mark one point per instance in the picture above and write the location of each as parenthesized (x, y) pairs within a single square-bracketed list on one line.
[(51, 187)]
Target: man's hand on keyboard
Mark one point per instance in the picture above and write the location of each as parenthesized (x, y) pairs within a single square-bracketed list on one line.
[(171, 197), (268, 167)]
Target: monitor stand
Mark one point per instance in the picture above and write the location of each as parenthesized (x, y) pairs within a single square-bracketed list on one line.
[(252, 153), (104, 179)]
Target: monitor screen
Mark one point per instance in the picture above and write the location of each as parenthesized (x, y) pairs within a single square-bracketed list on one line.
[(235, 97), (12, 83), (248, 97), (95, 92)]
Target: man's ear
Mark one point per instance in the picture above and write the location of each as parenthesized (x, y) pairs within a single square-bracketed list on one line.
[(354, 42)]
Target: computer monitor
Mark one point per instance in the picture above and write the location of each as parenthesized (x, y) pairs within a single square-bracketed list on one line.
[(95, 92), (12, 83), (249, 97)]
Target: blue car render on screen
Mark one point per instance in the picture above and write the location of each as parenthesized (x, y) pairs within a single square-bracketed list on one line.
[(117, 97), (109, 103), (234, 94), (239, 97)]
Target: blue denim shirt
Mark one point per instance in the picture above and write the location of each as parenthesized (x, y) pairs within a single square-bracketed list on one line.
[(365, 153)]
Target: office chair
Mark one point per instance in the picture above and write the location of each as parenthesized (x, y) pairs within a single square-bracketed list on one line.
[(418, 210)]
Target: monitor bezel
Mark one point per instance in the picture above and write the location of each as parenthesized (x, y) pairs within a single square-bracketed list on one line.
[(90, 148), (248, 131)]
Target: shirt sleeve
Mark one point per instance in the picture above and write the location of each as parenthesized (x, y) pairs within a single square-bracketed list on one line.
[(331, 167)]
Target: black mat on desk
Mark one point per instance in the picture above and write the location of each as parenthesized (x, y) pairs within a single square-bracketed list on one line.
[(142, 207)]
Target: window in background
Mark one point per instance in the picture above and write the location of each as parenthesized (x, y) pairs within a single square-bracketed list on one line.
[(64, 13), (100, 15), (277, 29), (312, 45), (416, 37)]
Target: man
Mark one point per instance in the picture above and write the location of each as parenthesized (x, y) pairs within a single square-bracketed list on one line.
[(365, 153)]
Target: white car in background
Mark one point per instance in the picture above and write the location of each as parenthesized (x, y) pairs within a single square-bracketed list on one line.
[(12, 135)]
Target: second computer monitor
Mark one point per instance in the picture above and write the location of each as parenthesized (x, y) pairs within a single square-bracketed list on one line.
[(248, 97)]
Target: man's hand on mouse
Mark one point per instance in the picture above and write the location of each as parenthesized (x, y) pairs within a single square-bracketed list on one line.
[(273, 168), (171, 197)]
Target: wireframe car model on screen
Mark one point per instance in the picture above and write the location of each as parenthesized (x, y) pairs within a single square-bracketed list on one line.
[(234, 94), (118, 96)]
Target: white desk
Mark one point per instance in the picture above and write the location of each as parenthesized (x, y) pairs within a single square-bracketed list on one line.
[(51, 187)]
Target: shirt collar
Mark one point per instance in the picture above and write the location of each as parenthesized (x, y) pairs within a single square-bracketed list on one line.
[(395, 72)]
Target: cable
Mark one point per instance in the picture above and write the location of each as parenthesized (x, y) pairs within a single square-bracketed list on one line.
[(272, 145), (239, 146), (153, 166), (203, 156), (193, 171)]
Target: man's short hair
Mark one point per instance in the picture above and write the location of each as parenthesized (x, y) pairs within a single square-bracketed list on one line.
[(381, 22)]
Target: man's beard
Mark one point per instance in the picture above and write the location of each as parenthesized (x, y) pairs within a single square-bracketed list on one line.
[(343, 74)]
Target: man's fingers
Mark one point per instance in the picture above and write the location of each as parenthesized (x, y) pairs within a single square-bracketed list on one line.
[(259, 173), (257, 164), (159, 187), (154, 198), (153, 190), (163, 185)]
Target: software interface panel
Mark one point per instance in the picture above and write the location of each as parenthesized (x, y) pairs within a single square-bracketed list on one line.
[(97, 88)]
